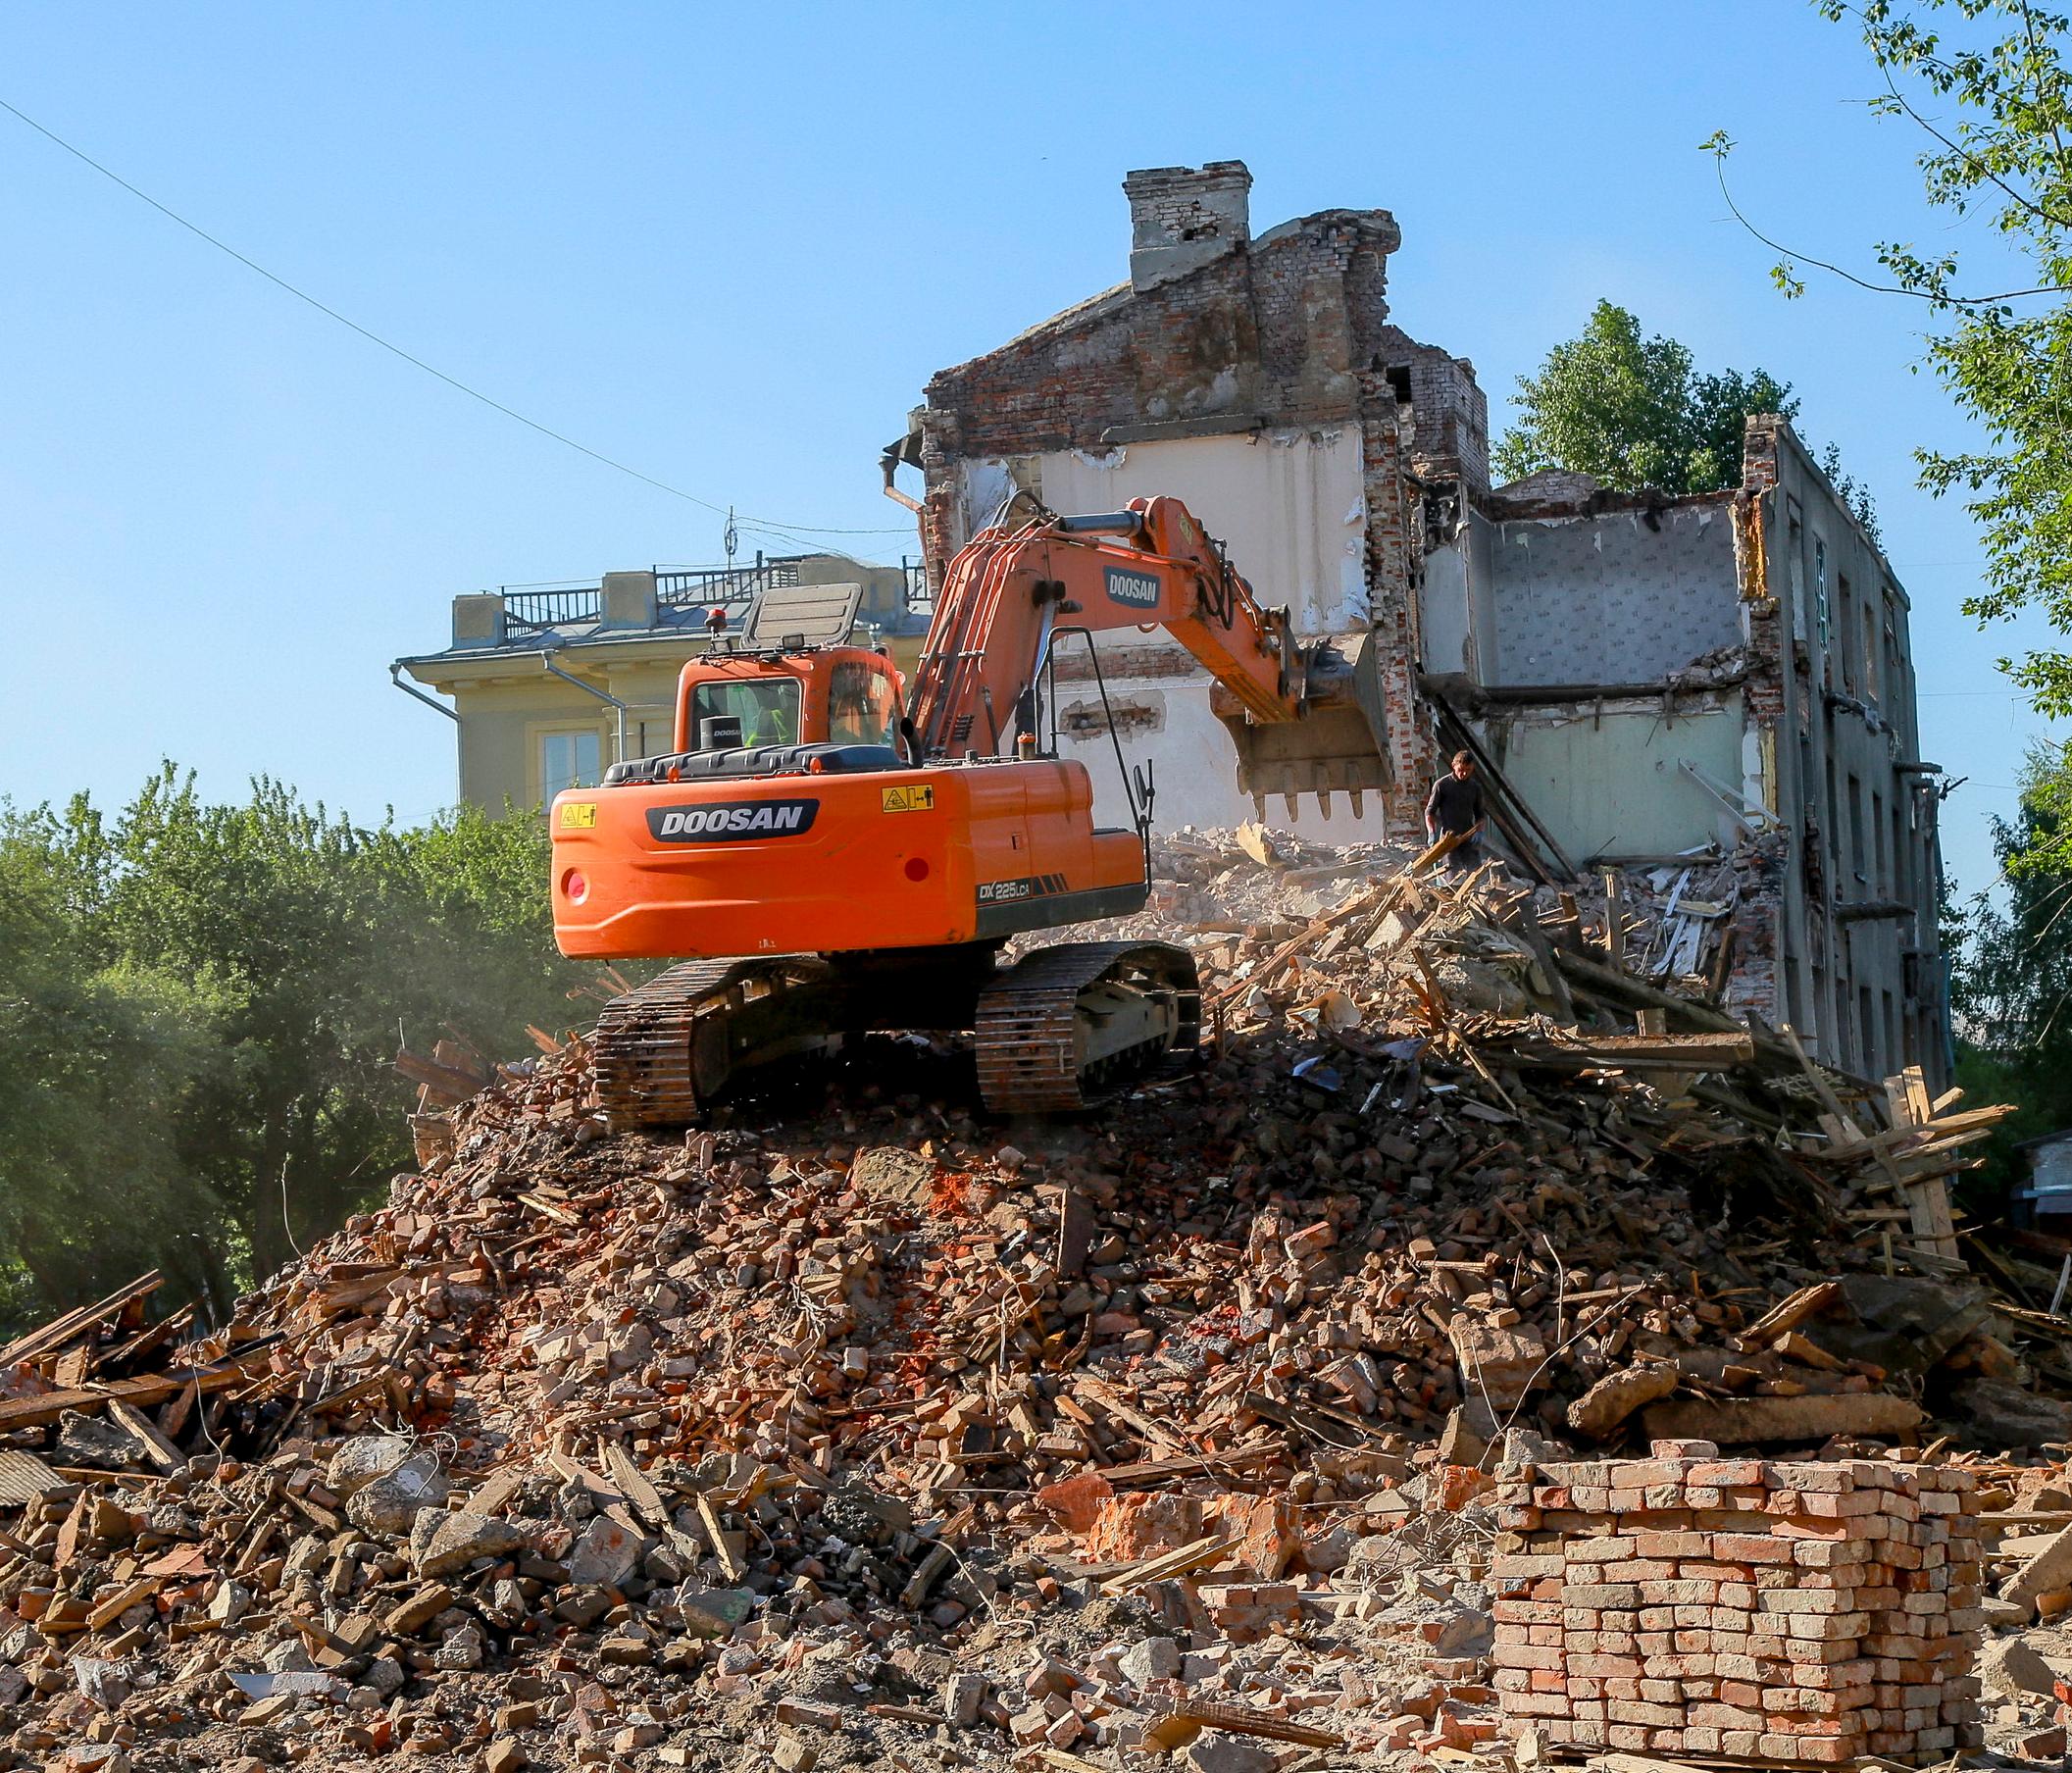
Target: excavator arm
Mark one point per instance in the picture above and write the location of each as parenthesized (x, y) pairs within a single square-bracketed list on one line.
[(1150, 565)]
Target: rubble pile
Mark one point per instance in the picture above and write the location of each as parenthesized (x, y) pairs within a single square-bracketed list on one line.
[(1668, 922), (1690, 1604), (852, 1427)]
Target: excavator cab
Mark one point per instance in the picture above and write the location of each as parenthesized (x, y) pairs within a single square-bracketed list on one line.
[(842, 695), (789, 678)]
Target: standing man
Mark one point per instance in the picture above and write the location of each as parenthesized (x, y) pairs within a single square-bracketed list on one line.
[(1454, 808)]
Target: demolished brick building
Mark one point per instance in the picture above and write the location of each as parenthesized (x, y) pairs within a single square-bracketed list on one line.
[(1664, 682)]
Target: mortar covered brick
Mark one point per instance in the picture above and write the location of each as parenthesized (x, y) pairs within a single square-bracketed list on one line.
[(1739, 1646)]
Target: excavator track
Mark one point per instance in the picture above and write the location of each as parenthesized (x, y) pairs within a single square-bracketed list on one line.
[(664, 1050), (1067, 1027)]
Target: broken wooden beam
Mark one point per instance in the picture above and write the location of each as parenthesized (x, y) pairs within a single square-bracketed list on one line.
[(1814, 1416)]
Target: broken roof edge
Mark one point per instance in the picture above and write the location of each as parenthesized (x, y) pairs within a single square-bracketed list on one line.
[(538, 646), (1378, 223), (1776, 424), (1583, 495), (1597, 500)]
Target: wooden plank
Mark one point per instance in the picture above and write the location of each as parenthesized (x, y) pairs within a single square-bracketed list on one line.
[(1790, 1313), (716, 1535), (1143, 1474), (1438, 852), (1693, 1052), (1243, 1720), (40, 1412), (1195, 1556), (1926, 1198), (157, 1449), (60, 1331), (447, 1083), (645, 1498)]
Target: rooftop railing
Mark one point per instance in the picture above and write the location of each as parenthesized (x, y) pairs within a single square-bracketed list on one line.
[(535, 608)]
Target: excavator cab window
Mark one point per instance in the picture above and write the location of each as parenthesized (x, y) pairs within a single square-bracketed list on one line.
[(765, 707), (860, 706)]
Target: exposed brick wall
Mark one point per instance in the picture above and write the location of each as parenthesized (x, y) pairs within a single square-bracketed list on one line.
[(1394, 570), (1265, 330)]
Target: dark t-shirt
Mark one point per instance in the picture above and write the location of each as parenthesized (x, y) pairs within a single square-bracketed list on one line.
[(1455, 805)]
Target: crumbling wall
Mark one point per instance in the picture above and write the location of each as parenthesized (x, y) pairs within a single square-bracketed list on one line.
[(1607, 777), (1833, 711), (1627, 597), (1259, 378)]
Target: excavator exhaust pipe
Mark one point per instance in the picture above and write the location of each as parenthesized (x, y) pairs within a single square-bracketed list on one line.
[(1339, 745)]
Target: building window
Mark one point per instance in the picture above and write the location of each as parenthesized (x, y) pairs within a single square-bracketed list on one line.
[(1820, 588), (1857, 858), (570, 760), (1831, 817), (1873, 641), (1866, 1041), (1848, 608), (1902, 871), (1881, 876), (1794, 554)]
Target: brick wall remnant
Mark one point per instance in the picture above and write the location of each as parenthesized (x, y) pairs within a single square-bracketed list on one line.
[(1224, 334), (1694, 1604), (1181, 218)]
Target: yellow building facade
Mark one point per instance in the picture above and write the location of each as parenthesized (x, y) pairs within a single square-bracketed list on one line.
[(549, 686)]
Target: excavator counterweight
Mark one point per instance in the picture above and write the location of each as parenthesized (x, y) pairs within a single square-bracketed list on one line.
[(833, 862)]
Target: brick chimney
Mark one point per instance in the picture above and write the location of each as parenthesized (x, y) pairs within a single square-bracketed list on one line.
[(1182, 219)]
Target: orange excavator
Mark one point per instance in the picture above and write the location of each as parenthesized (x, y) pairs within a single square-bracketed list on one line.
[(837, 864)]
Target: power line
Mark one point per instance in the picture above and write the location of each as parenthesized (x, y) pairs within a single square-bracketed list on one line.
[(766, 525)]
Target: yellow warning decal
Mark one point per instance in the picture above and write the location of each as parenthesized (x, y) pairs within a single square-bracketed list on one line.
[(919, 798), (578, 814)]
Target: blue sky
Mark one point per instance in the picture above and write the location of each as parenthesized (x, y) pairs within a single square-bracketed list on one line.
[(729, 245)]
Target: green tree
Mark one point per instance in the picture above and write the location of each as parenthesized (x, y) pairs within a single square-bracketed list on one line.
[(215, 992), (1983, 86), (2013, 988), (1634, 413), (99, 1065)]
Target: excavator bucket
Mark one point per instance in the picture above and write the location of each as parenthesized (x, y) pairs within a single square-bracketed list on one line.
[(1338, 744)]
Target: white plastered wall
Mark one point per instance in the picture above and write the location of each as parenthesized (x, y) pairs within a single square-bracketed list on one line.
[(1290, 508), (1612, 782), (1288, 505)]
